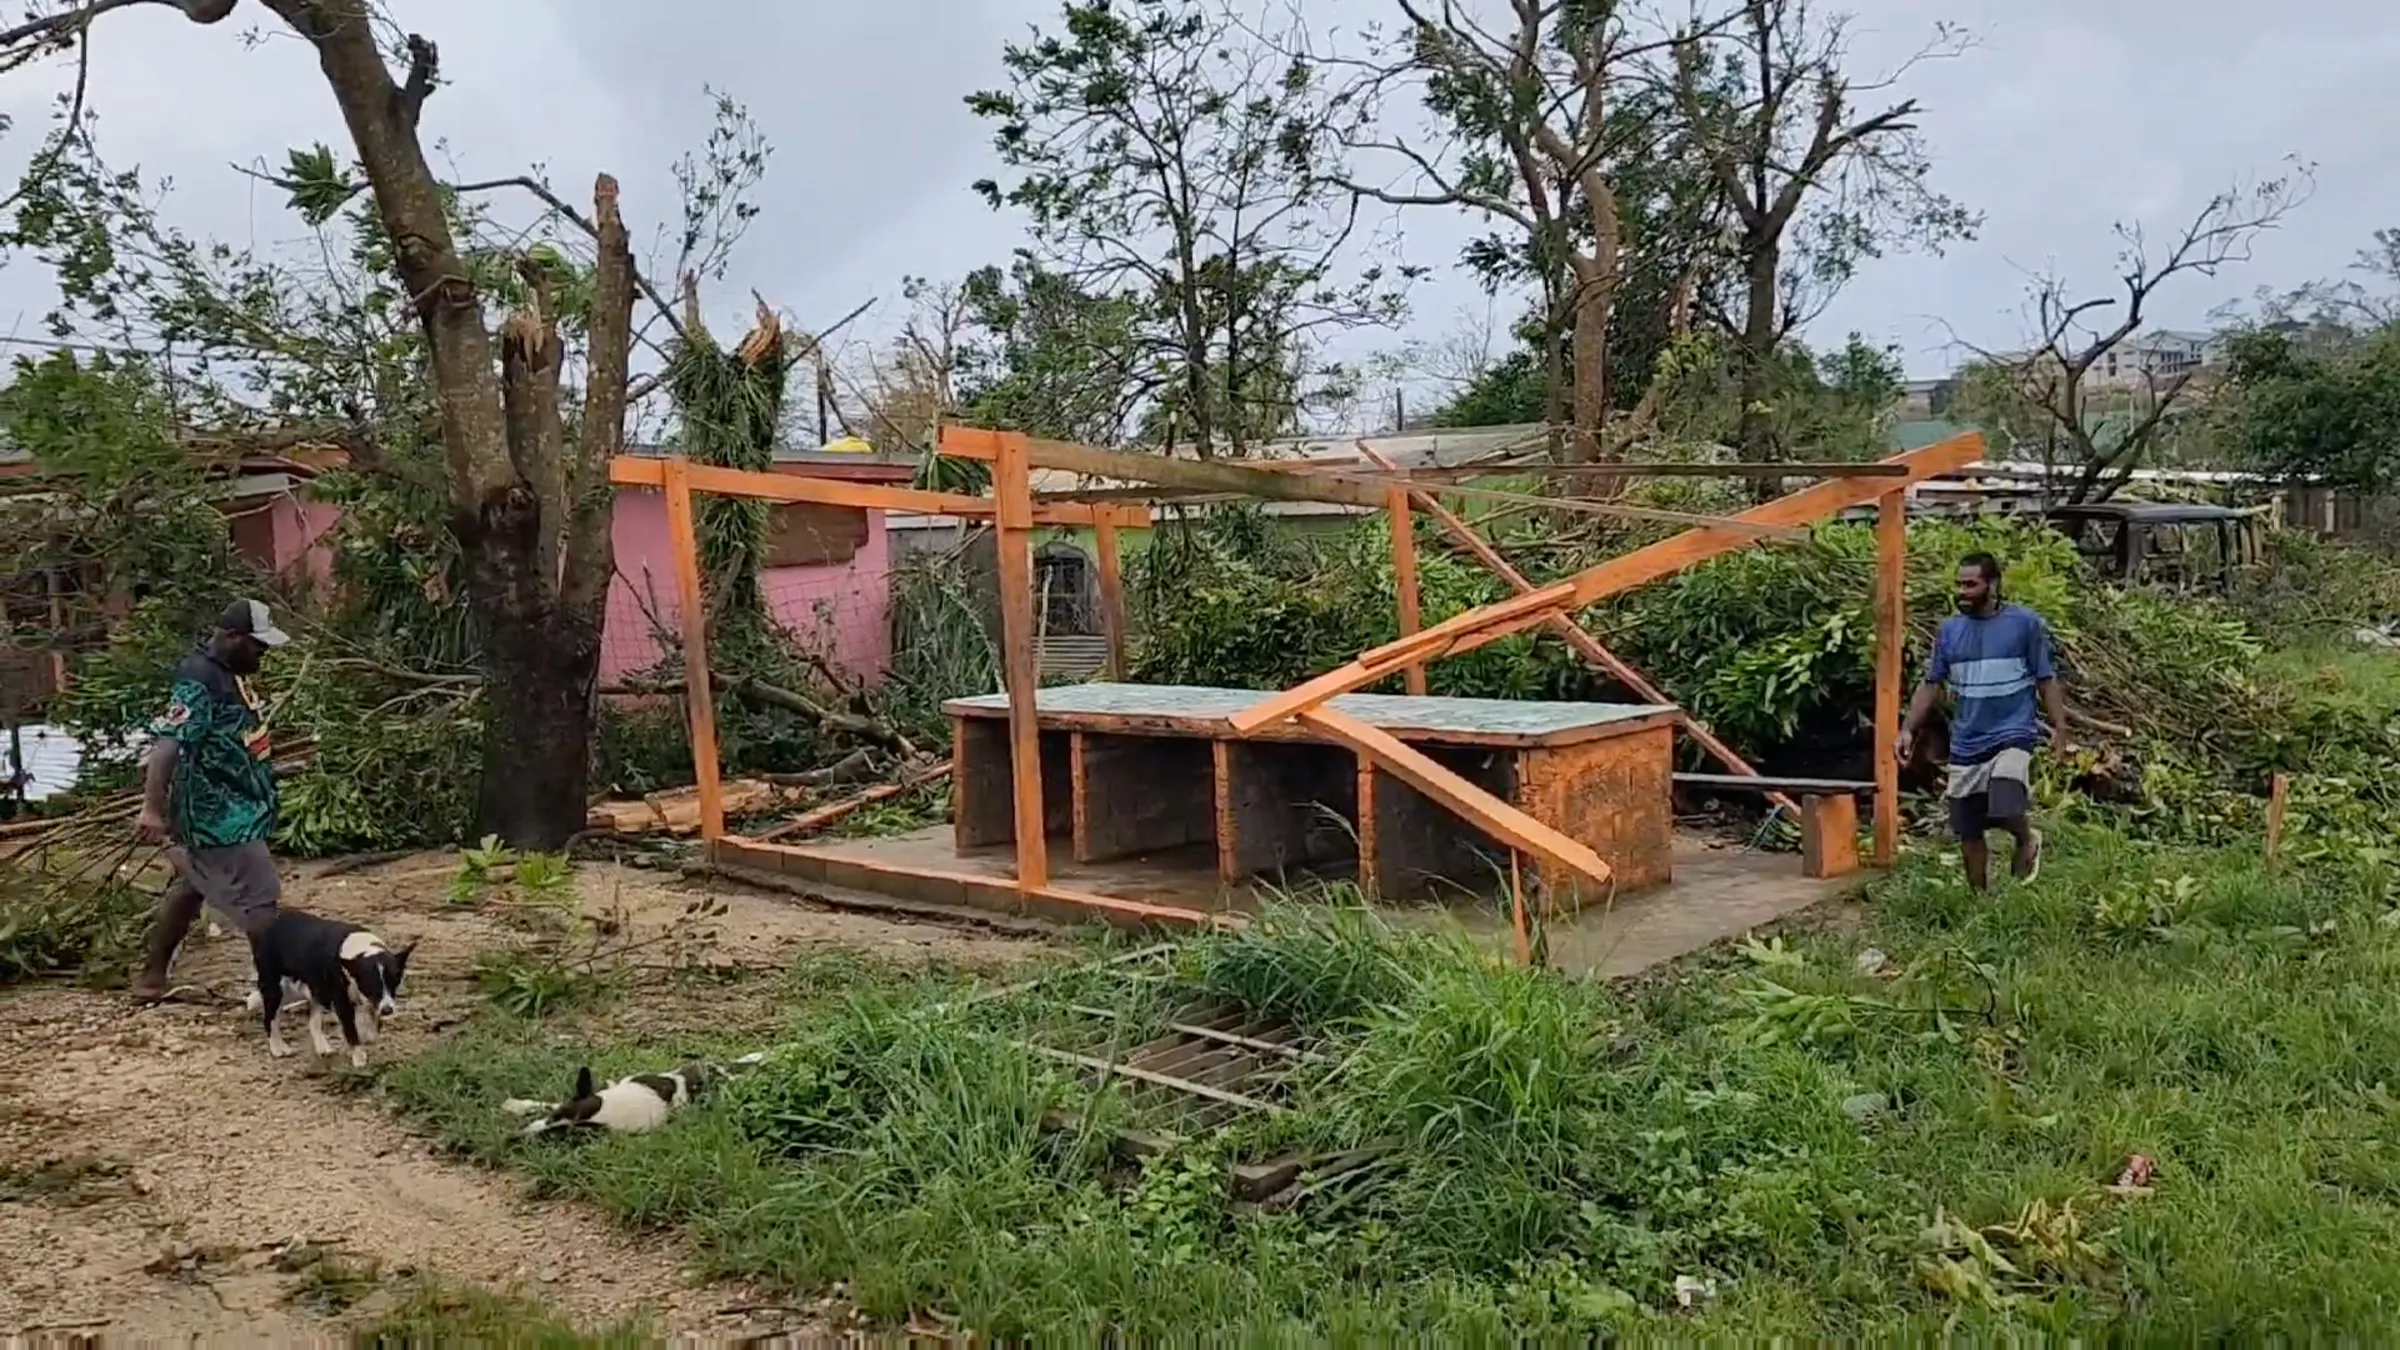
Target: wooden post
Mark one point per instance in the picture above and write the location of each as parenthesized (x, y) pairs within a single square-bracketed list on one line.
[(1516, 907), (1012, 492), (684, 537), (1404, 580), (1828, 836), (1585, 645), (1112, 592), (1891, 637), (2279, 792)]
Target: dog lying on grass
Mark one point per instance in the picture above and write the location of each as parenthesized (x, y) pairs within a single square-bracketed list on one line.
[(634, 1104)]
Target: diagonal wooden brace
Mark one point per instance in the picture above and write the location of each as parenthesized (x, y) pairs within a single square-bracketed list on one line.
[(1478, 627), (1585, 645), (1490, 814)]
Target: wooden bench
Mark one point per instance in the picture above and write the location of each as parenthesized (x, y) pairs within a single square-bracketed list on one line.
[(1828, 814), (1131, 770)]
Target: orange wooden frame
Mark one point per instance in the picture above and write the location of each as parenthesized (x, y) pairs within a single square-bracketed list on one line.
[(1016, 514)]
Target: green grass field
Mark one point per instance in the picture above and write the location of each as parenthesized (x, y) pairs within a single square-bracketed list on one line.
[(1802, 1145)]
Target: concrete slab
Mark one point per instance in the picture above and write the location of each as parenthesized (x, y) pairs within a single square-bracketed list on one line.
[(1719, 891)]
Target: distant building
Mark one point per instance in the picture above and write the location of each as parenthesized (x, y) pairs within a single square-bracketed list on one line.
[(1923, 400), (2149, 360)]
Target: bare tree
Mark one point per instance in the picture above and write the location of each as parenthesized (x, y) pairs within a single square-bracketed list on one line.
[(1541, 112), (2073, 337), (528, 505), (1770, 108)]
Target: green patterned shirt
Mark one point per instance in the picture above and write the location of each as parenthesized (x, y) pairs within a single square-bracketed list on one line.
[(224, 770)]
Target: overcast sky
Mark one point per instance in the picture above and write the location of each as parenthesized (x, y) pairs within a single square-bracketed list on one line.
[(2066, 116)]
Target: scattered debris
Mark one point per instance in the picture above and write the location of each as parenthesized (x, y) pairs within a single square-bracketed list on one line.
[(1866, 1107), (1873, 962), (1691, 1292), (826, 815), (2135, 1177)]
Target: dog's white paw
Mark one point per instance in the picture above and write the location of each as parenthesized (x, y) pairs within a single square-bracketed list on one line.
[(521, 1106), (251, 1002), (358, 1057), (277, 1047)]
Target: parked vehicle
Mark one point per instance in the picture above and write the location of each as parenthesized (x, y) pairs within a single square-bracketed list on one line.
[(2172, 545)]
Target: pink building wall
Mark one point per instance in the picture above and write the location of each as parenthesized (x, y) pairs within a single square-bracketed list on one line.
[(298, 528), (841, 610)]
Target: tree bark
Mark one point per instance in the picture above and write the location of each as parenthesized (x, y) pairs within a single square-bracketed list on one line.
[(532, 529), (1761, 336)]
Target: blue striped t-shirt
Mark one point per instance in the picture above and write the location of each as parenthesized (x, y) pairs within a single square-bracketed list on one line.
[(1992, 666)]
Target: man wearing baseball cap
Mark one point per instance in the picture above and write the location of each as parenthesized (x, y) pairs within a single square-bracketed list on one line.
[(208, 791)]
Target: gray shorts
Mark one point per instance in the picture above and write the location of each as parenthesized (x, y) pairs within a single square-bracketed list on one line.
[(240, 883), (1997, 789)]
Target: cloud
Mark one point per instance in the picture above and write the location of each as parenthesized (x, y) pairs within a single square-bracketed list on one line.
[(2068, 116)]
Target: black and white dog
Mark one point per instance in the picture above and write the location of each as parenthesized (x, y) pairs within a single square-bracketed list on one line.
[(332, 965), (635, 1104)]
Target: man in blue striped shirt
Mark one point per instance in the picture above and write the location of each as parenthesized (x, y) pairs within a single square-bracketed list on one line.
[(1995, 658)]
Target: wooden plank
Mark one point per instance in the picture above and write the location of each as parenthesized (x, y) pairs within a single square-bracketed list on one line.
[(1221, 799), (1828, 836), (1182, 1085), (1495, 817), (1198, 1032), (1404, 580), (1129, 1143), (962, 890), (1019, 670), (1112, 594), (650, 471), (683, 537), (1584, 644), (1079, 796), (1477, 627), (1891, 636), (1249, 480), (1750, 782), (1370, 836), (1630, 469)]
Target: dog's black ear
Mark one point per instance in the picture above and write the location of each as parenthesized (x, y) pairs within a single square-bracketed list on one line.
[(583, 1083), (400, 957)]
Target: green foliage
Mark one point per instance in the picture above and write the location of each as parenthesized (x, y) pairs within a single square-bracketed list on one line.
[(57, 920), (434, 1315), (1046, 357), (116, 507), (531, 984), (2328, 410), (1218, 262), (2307, 587), (730, 407)]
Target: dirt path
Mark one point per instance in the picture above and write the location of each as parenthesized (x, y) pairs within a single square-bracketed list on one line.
[(161, 1177)]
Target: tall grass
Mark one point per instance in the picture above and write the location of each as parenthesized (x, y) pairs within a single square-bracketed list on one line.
[(1917, 1146)]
